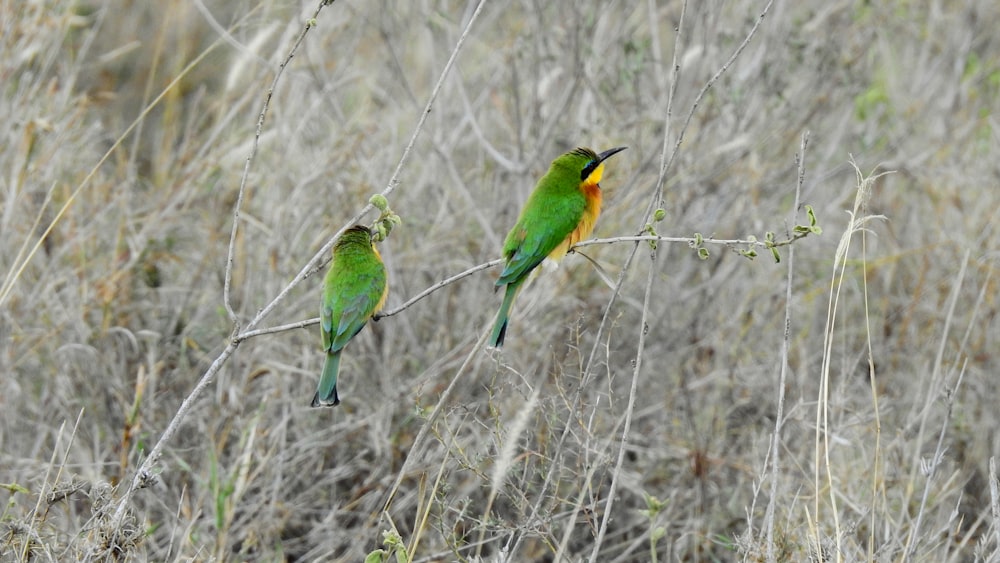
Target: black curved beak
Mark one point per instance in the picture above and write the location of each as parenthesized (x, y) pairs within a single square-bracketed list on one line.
[(609, 153)]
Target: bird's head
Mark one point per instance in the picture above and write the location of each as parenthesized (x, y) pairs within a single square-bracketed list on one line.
[(358, 234), (589, 164)]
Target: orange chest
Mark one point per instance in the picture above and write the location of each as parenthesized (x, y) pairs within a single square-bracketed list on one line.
[(592, 192), (591, 210)]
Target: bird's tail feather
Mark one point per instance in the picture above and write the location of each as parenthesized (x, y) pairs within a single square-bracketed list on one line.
[(503, 316), (326, 392)]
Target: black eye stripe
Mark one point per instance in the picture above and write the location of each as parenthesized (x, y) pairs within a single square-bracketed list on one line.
[(588, 169)]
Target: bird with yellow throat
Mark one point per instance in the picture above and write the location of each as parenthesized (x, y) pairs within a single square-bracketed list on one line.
[(559, 213)]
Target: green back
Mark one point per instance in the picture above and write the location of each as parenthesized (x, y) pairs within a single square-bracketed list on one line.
[(551, 213), (353, 288)]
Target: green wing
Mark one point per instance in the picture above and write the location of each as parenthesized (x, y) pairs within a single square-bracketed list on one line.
[(545, 222), (346, 310)]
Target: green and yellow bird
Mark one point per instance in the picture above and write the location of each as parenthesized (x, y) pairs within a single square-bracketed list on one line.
[(354, 290), (560, 212)]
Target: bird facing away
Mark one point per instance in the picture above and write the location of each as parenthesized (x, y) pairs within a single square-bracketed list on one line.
[(354, 290), (560, 212)]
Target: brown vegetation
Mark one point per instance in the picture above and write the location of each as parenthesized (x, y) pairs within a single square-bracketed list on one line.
[(625, 424)]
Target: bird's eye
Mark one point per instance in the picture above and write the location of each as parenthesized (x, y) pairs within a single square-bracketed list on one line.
[(588, 169)]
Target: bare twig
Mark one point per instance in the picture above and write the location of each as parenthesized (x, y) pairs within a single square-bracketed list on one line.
[(692, 240), (496, 262), (276, 329), (144, 475), (437, 286), (238, 207), (409, 303), (779, 419)]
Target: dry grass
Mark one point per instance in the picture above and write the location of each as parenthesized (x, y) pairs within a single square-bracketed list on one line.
[(621, 425)]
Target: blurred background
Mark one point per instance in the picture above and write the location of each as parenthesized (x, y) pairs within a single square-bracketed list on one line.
[(111, 310)]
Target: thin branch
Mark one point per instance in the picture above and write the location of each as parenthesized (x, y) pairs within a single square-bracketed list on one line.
[(227, 285), (775, 449), (276, 329), (496, 262), (144, 475), (315, 320), (691, 240), (629, 409), (437, 286)]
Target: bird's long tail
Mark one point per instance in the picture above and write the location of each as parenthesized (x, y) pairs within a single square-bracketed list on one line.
[(326, 392), (503, 315)]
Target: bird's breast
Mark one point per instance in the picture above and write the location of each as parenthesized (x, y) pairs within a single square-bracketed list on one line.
[(591, 210)]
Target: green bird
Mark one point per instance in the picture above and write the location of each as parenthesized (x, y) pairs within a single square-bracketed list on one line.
[(354, 290), (560, 212)]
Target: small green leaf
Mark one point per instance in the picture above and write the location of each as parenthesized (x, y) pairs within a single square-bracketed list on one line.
[(379, 201), (659, 214), (703, 253), (377, 556), (777, 256), (392, 539)]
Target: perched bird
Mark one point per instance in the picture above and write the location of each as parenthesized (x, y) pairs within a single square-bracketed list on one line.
[(559, 213), (353, 291)]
